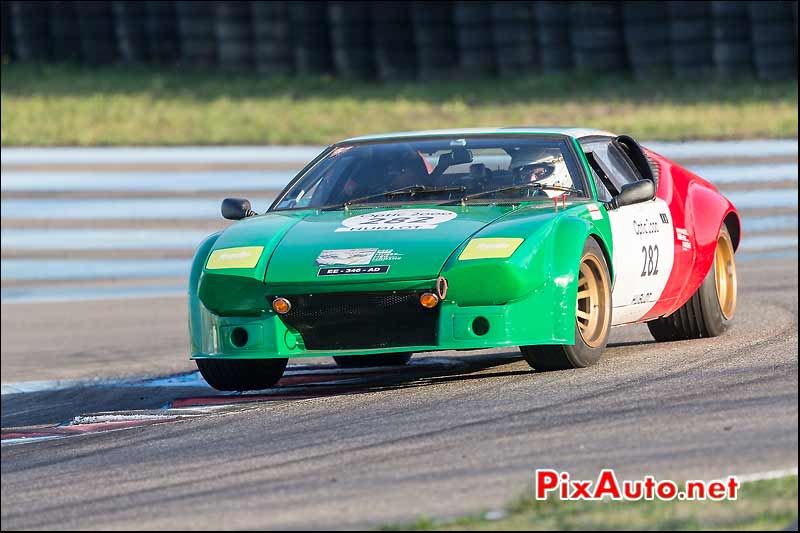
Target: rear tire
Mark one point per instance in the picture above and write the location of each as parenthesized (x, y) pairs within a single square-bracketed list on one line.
[(710, 310), (241, 374), (359, 361), (592, 319)]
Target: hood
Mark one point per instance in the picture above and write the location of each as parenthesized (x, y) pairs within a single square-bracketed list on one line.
[(308, 249), (376, 244)]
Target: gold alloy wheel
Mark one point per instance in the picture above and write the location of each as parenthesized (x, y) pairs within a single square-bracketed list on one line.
[(725, 275), (593, 310)]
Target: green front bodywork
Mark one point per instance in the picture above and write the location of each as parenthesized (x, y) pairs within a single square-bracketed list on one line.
[(528, 298)]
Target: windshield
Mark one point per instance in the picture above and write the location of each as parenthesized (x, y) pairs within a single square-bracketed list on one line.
[(486, 169)]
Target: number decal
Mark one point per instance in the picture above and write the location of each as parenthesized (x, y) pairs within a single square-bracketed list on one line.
[(383, 220), (644, 254), (398, 219), (655, 266), (650, 267)]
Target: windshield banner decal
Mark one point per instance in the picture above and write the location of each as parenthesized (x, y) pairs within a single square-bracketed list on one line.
[(398, 219)]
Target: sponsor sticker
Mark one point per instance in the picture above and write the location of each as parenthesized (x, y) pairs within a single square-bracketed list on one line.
[(645, 227), (349, 256), (356, 256), (490, 248), (397, 220), (243, 257), (387, 254), (377, 269), (595, 212), (683, 235)]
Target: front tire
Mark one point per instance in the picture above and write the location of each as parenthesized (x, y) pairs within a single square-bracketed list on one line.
[(241, 374), (592, 318), (710, 310), (359, 361)]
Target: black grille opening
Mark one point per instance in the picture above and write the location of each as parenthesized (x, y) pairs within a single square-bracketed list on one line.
[(362, 320)]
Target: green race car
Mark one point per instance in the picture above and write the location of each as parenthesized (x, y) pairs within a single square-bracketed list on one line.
[(455, 240)]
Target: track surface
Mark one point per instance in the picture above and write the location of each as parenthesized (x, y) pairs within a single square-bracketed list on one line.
[(434, 444), (453, 433)]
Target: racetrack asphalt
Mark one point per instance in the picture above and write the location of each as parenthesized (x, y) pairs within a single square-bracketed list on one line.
[(453, 433)]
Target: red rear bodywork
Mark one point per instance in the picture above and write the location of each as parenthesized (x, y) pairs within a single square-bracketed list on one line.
[(698, 208)]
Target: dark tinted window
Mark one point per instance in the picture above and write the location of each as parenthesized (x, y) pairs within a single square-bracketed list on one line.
[(613, 162), (445, 168), (603, 194)]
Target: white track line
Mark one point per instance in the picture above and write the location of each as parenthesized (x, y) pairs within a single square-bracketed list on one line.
[(28, 440), (103, 418), (27, 387), (70, 155), (770, 474)]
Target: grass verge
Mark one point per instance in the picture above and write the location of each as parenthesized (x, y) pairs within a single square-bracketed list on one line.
[(762, 505), (63, 105)]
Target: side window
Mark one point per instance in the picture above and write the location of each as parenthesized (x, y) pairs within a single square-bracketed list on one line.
[(605, 189), (613, 162), (603, 194)]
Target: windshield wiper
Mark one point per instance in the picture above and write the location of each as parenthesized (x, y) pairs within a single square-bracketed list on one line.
[(411, 190), (512, 188)]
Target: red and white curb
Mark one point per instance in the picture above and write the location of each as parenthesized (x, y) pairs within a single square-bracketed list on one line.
[(293, 375), (298, 383), (81, 425)]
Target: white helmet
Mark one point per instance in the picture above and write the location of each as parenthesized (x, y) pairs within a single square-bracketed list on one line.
[(541, 166)]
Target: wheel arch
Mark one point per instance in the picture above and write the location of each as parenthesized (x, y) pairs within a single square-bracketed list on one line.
[(734, 225), (196, 308), (565, 262), (606, 252), (707, 210), (199, 261)]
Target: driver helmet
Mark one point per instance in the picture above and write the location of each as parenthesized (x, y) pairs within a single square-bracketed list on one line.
[(538, 166), (405, 166)]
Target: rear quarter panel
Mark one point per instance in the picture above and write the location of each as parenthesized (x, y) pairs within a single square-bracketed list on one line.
[(698, 211)]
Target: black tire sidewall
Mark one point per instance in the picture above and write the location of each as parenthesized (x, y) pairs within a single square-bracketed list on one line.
[(241, 374), (699, 317), (715, 320)]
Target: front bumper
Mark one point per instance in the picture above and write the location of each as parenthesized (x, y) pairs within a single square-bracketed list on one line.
[(535, 319)]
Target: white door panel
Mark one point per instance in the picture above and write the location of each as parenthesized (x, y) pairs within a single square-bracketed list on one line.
[(643, 257)]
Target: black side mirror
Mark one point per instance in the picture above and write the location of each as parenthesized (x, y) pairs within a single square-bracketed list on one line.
[(236, 208), (633, 193)]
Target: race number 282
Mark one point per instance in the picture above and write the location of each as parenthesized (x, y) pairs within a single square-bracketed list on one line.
[(650, 266)]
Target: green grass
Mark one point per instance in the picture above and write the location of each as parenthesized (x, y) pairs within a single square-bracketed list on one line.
[(762, 505), (61, 105)]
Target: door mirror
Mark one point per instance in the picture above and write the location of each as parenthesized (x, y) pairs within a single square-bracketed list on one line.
[(236, 208), (633, 193)]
